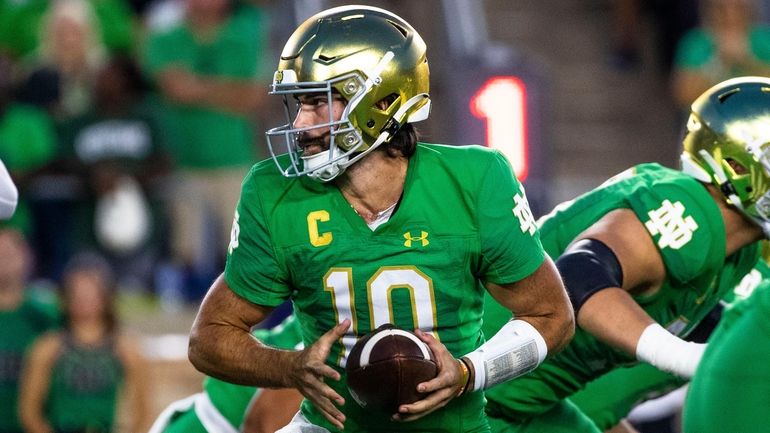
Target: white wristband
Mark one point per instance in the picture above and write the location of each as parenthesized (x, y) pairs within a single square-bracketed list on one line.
[(516, 349), (668, 352), (8, 194)]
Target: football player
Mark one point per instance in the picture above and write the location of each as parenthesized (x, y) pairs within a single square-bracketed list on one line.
[(731, 388), (223, 407), (361, 225), (648, 254), (9, 196), (610, 398)]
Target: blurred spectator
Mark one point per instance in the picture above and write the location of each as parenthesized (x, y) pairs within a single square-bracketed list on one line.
[(117, 147), (23, 317), (27, 142), (72, 379), (670, 19), (70, 52), (729, 43), (206, 69), (626, 35), (61, 75), (21, 22)]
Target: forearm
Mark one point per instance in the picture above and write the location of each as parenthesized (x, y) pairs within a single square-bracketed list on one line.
[(232, 354), (612, 316), (556, 327), (543, 325), (542, 301), (222, 346)]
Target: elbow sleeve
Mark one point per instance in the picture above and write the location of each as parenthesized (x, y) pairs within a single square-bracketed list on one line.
[(586, 267)]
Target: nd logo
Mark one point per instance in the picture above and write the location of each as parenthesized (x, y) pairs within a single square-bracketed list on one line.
[(423, 239)]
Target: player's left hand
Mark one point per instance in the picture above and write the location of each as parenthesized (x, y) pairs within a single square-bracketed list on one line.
[(440, 389)]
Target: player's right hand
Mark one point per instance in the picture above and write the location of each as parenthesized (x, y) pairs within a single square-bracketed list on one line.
[(309, 370)]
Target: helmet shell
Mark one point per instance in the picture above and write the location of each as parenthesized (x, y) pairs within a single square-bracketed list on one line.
[(730, 123)]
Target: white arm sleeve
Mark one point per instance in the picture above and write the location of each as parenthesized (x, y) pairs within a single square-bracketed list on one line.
[(668, 352), (9, 196), (516, 349)]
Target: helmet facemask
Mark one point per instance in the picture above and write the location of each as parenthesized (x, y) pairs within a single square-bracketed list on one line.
[(344, 138)]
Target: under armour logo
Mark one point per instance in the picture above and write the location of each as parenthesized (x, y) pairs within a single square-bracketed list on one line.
[(524, 214), (423, 238), (669, 221)]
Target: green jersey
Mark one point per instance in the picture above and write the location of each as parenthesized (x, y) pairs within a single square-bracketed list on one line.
[(85, 382), (463, 220), (685, 224), (730, 391)]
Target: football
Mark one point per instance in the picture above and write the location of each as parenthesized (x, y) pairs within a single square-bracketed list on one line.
[(385, 366)]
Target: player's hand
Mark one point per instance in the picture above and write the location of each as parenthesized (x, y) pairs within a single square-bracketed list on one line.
[(440, 389), (309, 371)]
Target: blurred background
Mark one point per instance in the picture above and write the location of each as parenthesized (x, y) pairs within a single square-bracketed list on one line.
[(129, 124)]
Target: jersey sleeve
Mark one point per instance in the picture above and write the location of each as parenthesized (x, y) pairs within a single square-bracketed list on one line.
[(252, 270), (685, 224), (510, 242)]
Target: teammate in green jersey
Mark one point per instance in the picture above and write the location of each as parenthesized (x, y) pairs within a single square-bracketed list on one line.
[(363, 226), (648, 254), (610, 398), (223, 407), (731, 388)]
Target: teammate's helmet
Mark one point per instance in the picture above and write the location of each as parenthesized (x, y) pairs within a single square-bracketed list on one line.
[(728, 144), (363, 55)]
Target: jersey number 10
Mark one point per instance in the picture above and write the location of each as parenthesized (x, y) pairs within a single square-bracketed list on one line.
[(379, 292)]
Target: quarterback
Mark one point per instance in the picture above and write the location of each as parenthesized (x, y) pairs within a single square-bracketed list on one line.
[(646, 256), (361, 225)]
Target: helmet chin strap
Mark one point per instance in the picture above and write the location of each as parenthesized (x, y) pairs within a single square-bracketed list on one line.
[(324, 173), (398, 117)]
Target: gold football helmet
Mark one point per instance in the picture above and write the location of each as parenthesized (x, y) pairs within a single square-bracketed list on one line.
[(374, 60), (728, 144)]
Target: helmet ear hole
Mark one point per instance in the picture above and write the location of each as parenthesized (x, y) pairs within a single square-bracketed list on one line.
[(737, 167), (385, 103)]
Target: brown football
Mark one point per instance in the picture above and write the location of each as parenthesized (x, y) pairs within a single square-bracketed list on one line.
[(385, 366)]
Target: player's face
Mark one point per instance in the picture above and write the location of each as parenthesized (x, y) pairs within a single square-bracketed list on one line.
[(316, 110)]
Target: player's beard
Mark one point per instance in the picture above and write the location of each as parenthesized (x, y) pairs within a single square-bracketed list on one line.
[(314, 144)]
